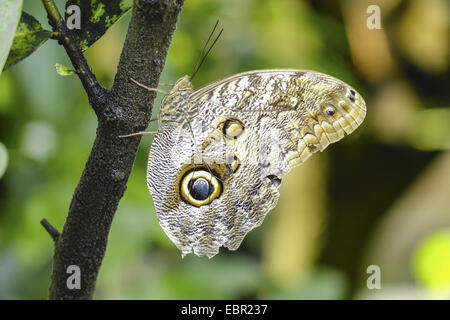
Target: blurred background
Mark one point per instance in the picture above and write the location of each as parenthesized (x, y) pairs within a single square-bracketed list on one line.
[(379, 197)]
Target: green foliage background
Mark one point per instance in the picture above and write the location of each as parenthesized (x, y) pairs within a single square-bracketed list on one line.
[(378, 197)]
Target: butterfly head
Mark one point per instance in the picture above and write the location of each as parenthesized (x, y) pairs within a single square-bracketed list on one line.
[(183, 84), (174, 103)]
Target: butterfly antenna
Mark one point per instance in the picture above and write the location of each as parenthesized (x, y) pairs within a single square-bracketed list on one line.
[(204, 48), (203, 56)]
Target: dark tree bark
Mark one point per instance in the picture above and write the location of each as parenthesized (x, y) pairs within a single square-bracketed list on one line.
[(124, 109)]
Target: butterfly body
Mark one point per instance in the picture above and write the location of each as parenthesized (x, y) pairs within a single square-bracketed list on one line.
[(220, 154)]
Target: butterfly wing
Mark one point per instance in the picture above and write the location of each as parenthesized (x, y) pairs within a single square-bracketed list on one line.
[(215, 175)]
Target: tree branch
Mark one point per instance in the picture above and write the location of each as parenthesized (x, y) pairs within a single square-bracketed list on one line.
[(123, 110)]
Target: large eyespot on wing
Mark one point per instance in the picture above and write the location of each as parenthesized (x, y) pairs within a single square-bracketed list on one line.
[(247, 198), (199, 187)]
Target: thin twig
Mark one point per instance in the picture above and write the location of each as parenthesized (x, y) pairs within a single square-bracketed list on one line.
[(52, 10), (96, 93), (52, 231)]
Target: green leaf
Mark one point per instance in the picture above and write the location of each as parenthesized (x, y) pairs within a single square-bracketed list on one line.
[(9, 17), (63, 70), (96, 17), (28, 37), (3, 159)]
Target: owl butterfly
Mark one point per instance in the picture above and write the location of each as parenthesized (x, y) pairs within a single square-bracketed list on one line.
[(221, 152)]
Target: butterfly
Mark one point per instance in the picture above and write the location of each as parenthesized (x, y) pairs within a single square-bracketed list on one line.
[(221, 152)]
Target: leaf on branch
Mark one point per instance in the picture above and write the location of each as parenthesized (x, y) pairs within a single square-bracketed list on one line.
[(63, 70), (28, 37), (97, 16), (9, 17)]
